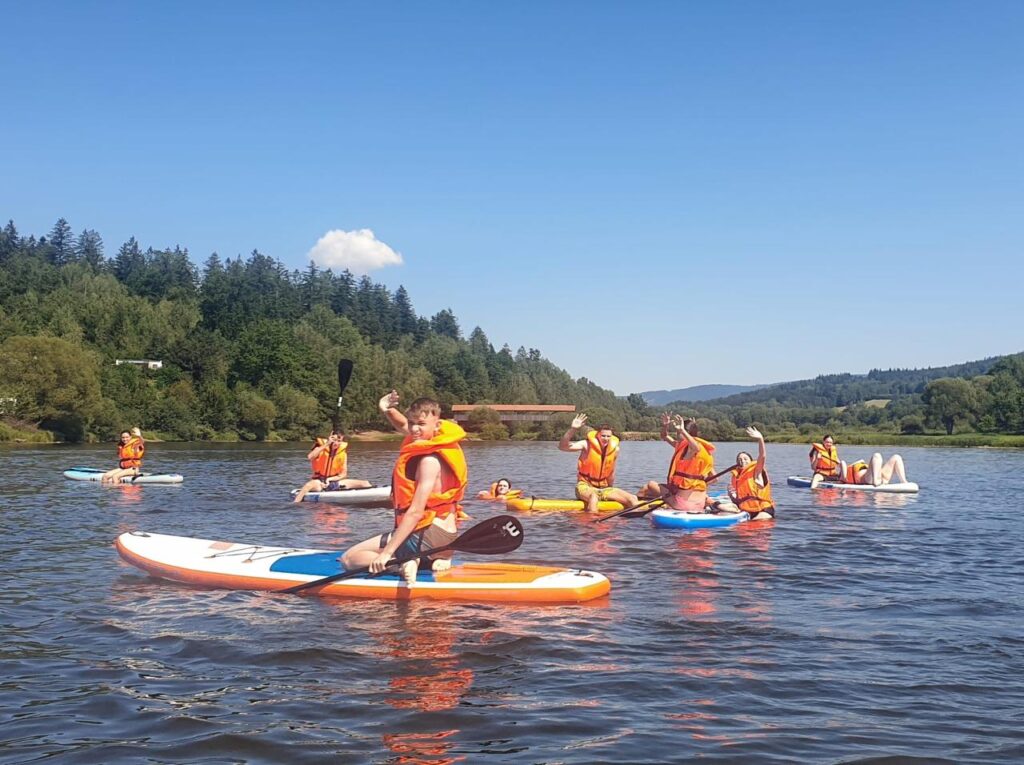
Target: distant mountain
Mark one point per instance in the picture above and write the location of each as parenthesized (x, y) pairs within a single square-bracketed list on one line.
[(844, 389), (696, 393)]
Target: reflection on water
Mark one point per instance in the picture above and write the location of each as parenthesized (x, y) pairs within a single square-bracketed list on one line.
[(855, 625)]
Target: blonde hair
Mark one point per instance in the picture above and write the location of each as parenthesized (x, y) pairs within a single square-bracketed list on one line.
[(423, 406)]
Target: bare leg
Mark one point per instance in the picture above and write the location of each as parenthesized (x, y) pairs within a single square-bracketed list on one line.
[(622, 497), (409, 569), (873, 476), (894, 465), (362, 554), (354, 483), (650, 490), (308, 486)]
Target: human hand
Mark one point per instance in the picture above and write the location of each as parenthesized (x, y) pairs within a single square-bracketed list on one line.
[(677, 422), (755, 433), (666, 420), (136, 432), (578, 421), (388, 401), (380, 563)]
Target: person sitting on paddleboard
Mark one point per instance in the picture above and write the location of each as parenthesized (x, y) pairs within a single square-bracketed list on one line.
[(130, 448), (825, 462), (874, 472), (500, 490), (595, 469), (428, 481), (750, 489), (686, 487), (329, 460)]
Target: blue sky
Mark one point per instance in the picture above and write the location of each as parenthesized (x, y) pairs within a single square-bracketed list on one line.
[(655, 195)]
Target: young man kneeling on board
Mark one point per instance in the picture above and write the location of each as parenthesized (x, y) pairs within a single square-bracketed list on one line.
[(130, 449), (750, 489), (429, 479), (874, 473), (329, 460), (595, 469), (692, 464)]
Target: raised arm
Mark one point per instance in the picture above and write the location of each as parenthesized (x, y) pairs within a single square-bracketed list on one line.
[(666, 421), (680, 426), (388, 406), (761, 453), (566, 444)]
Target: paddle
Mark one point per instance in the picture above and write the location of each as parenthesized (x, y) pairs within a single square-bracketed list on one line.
[(501, 534), (344, 375), (636, 512), (623, 511)]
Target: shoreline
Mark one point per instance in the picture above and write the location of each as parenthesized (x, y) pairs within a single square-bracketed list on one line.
[(35, 437)]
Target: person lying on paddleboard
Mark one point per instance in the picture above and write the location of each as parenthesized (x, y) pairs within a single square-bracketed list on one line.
[(874, 472), (429, 479), (750, 488), (692, 463), (500, 490), (825, 462), (595, 468), (329, 460), (130, 448)]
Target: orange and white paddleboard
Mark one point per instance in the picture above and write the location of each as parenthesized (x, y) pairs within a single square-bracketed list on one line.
[(235, 566)]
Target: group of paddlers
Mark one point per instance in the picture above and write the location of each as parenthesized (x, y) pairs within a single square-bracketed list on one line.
[(690, 470), (430, 476)]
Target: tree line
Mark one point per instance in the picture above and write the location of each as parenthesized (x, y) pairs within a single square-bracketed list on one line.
[(249, 347), (984, 396)]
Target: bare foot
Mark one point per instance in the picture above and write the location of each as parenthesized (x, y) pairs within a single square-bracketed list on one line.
[(408, 570), (441, 564)]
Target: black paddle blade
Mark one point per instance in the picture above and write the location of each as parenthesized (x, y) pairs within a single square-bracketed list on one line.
[(501, 534), (344, 375)]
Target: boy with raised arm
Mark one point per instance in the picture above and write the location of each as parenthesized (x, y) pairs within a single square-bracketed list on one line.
[(429, 479), (595, 469)]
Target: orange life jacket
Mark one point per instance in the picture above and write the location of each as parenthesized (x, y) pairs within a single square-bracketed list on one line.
[(130, 454), (748, 494), (596, 465), (330, 461), (510, 494), (691, 471), (853, 471), (445, 446), (823, 460)]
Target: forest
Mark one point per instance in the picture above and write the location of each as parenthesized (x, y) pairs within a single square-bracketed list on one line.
[(249, 351)]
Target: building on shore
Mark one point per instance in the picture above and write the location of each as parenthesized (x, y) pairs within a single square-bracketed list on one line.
[(509, 413)]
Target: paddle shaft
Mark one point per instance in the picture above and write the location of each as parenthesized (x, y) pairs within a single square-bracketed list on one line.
[(344, 375), (501, 534), (649, 504)]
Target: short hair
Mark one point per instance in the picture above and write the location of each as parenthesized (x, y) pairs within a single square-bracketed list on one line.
[(691, 426), (339, 431), (423, 406), (605, 426), (828, 435)]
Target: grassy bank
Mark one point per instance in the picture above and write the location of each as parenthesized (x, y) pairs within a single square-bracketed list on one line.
[(893, 439), (19, 433)]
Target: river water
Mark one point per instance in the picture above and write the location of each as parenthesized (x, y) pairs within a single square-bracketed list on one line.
[(854, 627)]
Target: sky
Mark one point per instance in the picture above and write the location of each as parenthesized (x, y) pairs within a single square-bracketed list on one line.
[(653, 194)]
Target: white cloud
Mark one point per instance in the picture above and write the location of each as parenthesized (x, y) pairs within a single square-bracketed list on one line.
[(358, 251)]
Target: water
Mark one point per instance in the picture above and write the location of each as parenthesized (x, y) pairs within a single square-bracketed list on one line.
[(855, 627)]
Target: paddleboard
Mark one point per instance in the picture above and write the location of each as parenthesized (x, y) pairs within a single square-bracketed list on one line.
[(229, 565), (375, 495), (891, 488), (92, 474), (536, 503), (682, 519)]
